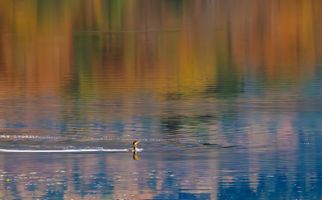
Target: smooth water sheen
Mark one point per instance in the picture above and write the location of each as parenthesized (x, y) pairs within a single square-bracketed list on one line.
[(225, 97)]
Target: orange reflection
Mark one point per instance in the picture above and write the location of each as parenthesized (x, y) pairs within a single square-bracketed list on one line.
[(161, 46)]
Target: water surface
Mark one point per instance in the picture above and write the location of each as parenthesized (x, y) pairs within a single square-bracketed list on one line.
[(225, 97)]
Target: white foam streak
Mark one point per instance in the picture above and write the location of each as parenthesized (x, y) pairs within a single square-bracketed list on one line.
[(66, 150)]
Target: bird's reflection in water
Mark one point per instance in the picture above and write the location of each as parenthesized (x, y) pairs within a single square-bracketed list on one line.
[(136, 156)]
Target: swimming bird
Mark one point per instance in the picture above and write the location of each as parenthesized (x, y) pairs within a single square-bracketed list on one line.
[(135, 147)]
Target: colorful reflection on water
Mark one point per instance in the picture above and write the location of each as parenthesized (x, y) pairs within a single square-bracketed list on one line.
[(224, 95)]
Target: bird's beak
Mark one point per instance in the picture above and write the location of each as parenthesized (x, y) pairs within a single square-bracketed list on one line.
[(136, 143)]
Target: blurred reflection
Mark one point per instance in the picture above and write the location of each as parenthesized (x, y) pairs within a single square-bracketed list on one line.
[(136, 156), (98, 48), (225, 95)]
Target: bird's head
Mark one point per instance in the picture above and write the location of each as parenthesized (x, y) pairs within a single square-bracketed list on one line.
[(135, 144)]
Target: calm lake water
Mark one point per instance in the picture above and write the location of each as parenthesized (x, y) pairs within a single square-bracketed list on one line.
[(225, 96)]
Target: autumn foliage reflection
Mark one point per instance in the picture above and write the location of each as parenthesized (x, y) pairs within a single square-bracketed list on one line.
[(162, 46)]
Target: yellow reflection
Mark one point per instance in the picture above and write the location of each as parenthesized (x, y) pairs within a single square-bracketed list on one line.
[(160, 46), (136, 156)]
